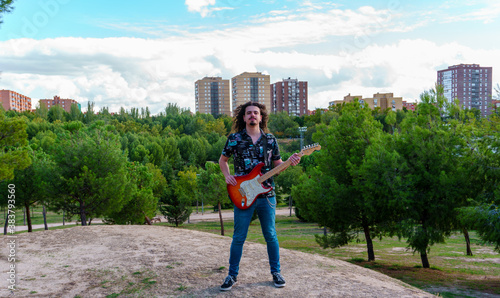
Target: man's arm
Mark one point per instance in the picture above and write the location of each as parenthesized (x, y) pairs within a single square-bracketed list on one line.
[(277, 162), (294, 160), (224, 167)]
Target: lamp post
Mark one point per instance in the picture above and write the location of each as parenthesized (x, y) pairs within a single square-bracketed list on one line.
[(302, 130)]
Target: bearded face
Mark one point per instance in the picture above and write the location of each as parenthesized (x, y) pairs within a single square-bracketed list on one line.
[(252, 116)]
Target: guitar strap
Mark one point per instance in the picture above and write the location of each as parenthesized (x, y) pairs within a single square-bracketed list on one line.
[(267, 165), (264, 147)]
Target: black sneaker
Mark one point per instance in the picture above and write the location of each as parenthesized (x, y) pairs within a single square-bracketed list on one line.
[(228, 283), (278, 279)]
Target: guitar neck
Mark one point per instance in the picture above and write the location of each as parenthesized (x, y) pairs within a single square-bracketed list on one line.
[(281, 167)]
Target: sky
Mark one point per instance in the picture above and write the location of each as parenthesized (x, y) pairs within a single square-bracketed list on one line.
[(150, 53)]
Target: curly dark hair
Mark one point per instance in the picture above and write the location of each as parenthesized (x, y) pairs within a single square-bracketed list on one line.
[(238, 122)]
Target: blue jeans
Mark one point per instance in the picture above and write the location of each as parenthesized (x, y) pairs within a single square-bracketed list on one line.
[(266, 210)]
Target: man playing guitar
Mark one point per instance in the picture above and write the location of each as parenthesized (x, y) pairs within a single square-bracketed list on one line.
[(251, 145)]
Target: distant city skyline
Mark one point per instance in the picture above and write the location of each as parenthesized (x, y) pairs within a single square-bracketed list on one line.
[(130, 54), (471, 84)]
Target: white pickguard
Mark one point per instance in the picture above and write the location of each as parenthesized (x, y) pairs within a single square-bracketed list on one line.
[(251, 189)]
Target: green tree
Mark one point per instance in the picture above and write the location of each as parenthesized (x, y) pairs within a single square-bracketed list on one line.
[(430, 151), (216, 149), (42, 112), (44, 140), (73, 126), (391, 120), (315, 117), (488, 224), (339, 204), (188, 145), (483, 178), (194, 150), (172, 152), (34, 183), (75, 114), (309, 195), (89, 116), (93, 173), (479, 163), (176, 204), (13, 141), (172, 205), (187, 186), (146, 187), (140, 154), (282, 125), (156, 154), (217, 126), (287, 179), (56, 113), (327, 116), (104, 114), (212, 188), (5, 7), (172, 109), (379, 179), (467, 219), (158, 183)]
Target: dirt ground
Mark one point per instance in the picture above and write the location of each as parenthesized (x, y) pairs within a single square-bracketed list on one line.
[(161, 261)]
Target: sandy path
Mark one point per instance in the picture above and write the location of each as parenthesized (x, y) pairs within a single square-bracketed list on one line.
[(161, 261)]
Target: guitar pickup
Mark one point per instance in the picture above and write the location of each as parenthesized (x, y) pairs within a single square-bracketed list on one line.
[(242, 192)]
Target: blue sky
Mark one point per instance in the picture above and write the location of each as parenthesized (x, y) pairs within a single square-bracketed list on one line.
[(131, 54)]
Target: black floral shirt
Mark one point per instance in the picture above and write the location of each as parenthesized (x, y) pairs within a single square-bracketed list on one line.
[(247, 154)]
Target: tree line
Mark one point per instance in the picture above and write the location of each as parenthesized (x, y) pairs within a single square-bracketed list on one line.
[(417, 175), (121, 167)]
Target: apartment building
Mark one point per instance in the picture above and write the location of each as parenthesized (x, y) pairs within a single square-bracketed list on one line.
[(251, 86), (379, 100), (471, 84), (64, 103), (12, 100), (212, 96), (289, 95), (410, 106), (386, 101)]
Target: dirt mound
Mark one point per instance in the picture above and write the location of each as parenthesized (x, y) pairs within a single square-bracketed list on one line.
[(161, 261)]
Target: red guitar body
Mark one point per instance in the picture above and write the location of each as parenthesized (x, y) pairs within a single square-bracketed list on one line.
[(247, 188)]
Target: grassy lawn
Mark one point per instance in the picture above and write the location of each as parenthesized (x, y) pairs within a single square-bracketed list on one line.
[(452, 272), (36, 216)]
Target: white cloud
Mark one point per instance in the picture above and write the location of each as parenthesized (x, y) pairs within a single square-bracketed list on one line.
[(486, 11), (203, 7), (198, 5), (135, 72), (486, 14), (407, 67)]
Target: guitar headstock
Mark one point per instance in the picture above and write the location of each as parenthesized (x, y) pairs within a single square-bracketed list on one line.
[(310, 149)]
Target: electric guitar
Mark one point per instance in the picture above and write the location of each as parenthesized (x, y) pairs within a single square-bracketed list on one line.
[(249, 186)]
